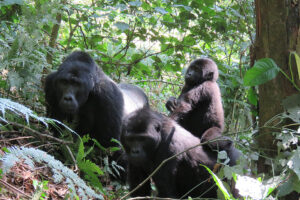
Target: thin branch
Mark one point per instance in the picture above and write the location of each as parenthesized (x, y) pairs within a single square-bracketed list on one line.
[(128, 40), (14, 189), (159, 81), (35, 133), (84, 37), (18, 138)]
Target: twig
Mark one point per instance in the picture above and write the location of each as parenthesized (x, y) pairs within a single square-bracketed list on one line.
[(18, 138), (35, 133), (160, 81), (16, 190), (73, 158), (41, 135)]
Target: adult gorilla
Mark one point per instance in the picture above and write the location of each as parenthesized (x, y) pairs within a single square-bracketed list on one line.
[(149, 138), (80, 92)]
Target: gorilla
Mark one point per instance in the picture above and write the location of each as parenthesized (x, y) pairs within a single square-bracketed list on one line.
[(134, 98), (80, 92), (199, 106), (149, 138)]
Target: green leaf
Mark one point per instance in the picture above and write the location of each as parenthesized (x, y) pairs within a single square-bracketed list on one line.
[(252, 97), (135, 3), (291, 106), (263, 70), (297, 58), (80, 154), (161, 10), (294, 162), (122, 26), (189, 40), (288, 186), (219, 183), (11, 2)]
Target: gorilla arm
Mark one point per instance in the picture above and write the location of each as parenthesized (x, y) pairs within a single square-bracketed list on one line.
[(187, 101)]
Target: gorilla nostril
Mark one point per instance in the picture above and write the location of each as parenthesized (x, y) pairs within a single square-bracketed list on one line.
[(135, 151), (68, 98)]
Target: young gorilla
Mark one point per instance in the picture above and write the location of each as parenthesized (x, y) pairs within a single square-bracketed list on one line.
[(80, 92), (149, 138), (199, 107)]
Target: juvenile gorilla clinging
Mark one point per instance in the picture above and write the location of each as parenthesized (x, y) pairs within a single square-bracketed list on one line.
[(149, 138), (199, 107)]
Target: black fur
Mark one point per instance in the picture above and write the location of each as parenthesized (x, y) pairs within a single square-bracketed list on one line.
[(79, 90), (149, 138)]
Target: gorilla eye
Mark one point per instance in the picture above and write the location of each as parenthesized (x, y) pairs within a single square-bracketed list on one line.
[(157, 128), (63, 81)]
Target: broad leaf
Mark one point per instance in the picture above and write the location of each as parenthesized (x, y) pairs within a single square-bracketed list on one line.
[(122, 26), (219, 183), (294, 162), (161, 10), (263, 70), (135, 3), (291, 106)]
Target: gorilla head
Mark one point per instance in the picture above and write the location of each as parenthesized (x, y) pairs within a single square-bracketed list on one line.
[(140, 146), (73, 87), (201, 70)]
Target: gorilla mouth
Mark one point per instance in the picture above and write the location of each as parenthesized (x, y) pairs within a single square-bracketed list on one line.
[(69, 109)]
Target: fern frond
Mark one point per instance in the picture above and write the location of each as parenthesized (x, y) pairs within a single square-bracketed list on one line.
[(21, 110), (31, 155), (18, 109)]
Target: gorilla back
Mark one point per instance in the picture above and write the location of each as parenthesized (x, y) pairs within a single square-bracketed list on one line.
[(134, 98), (80, 91)]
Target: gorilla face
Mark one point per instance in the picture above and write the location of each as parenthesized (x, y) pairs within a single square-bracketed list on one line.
[(72, 88), (193, 75), (201, 70), (140, 138)]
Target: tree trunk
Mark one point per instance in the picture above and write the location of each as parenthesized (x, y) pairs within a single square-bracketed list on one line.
[(277, 34)]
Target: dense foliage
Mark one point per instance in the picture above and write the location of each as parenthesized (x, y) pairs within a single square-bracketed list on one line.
[(147, 43)]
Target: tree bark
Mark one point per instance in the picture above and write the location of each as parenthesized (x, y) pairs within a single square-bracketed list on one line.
[(277, 34)]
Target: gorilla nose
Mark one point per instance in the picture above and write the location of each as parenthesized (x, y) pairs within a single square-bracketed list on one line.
[(68, 98), (135, 151)]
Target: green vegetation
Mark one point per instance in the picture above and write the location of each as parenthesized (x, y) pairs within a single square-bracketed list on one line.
[(147, 43)]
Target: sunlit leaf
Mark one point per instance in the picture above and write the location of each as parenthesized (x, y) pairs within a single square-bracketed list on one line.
[(219, 183), (135, 3), (122, 26), (263, 70), (297, 58), (11, 2), (252, 97), (294, 162), (161, 10)]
